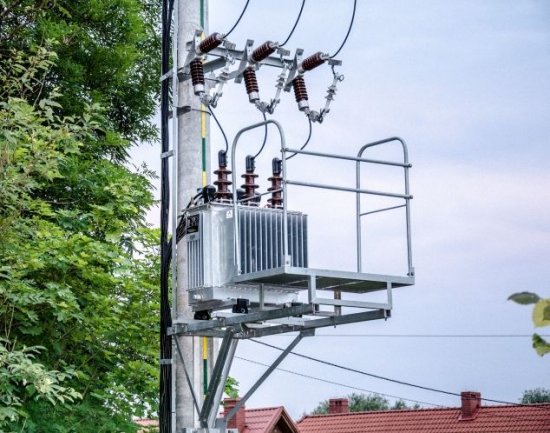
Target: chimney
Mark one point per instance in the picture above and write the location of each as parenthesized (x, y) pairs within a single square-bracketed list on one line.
[(471, 402), (239, 419), (338, 405)]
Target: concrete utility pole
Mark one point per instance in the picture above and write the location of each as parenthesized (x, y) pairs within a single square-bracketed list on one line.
[(193, 167)]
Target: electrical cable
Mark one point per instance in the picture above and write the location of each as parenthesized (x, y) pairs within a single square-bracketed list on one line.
[(265, 137), (295, 24), (438, 406), (238, 20), (388, 379), (330, 382), (221, 129), (305, 144), (349, 30), (165, 321)]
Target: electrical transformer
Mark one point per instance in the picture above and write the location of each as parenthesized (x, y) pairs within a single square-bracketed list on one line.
[(211, 253)]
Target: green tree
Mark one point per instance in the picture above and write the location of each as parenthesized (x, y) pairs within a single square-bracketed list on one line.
[(107, 53), (363, 403), (541, 317), (78, 266), (536, 396)]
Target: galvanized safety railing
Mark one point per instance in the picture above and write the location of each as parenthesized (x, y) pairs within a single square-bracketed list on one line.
[(358, 190), (407, 196)]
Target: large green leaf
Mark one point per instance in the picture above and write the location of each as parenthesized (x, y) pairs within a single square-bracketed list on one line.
[(540, 345), (524, 298), (541, 313)]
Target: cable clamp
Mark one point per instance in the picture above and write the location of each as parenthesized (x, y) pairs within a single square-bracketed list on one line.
[(167, 154), (166, 361)]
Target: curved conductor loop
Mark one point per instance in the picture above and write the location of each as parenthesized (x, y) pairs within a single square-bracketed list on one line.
[(300, 89), (249, 74)]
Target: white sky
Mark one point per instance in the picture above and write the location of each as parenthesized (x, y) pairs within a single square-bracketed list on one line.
[(465, 83)]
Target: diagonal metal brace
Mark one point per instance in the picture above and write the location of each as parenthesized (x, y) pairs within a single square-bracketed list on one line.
[(219, 376), (264, 376), (187, 378)]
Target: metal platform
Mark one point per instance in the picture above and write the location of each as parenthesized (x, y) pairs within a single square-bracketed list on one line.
[(299, 278), (258, 257)]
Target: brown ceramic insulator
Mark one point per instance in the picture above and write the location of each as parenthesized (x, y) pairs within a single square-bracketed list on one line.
[(222, 183), (263, 51), (276, 199), (211, 42), (313, 61), (276, 180), (250, 80), (197, 72), (249, 187), (300, 90)]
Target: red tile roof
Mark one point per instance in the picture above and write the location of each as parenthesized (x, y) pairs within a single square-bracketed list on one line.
[(489, 419), (265, 419)]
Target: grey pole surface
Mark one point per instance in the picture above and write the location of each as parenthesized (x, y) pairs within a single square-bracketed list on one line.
[(190, 177)]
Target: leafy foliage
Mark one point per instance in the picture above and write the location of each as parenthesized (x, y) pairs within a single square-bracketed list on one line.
[(78, 266), (231, 388), (106, 50), (536, 396), (363, 403), (541, 317)]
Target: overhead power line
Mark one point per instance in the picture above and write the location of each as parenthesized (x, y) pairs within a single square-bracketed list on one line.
[(438, 406), (295, 24), (238, 19), (387, 379), (348, 32), (331, 382)]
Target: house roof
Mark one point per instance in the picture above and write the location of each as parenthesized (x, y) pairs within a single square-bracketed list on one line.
[(489, 419), (265, 419)]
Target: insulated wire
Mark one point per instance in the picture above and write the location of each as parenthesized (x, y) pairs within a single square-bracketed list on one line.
[(349, 31), (388, 379), (238, 20), (221, 129), (295, 24), (305, 144), (265, 137), (438, 406), (307, 376), (165, 349)]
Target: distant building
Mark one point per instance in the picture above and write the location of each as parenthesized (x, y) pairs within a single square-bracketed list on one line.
[(264, 420), (470, 417)]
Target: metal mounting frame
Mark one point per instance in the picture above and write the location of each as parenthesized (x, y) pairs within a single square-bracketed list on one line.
[(317, 282)]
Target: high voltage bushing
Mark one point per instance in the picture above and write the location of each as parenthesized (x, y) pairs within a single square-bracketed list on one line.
[(251, 83), (222, 182), (211, 42), (197, 76), (263, 51), (313, 61), (249, 185), (276, 180), (300, 92)]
